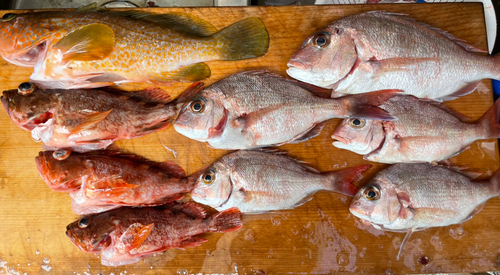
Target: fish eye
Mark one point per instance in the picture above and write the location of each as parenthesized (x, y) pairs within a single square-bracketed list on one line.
[(372, 193), (208, 177), (83, 222), (8, 16), (26, 88), (321, 40), (197, 106), (61, 154), (357, 123)]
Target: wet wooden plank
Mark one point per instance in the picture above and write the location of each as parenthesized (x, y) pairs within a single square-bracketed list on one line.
[(319, 237)]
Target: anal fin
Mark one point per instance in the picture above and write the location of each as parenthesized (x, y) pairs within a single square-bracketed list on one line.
[(314, 132), (467, 89), (190, 73)]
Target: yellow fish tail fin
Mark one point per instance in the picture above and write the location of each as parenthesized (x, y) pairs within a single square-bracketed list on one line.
[(245, 39)]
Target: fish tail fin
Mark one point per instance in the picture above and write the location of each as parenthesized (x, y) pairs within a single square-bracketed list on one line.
[(490, 121), (495, 182), (228, 220), (342, 181), (366, 105), (245, 39)]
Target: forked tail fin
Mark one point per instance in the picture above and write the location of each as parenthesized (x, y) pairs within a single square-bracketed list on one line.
[(367, 105), (228, 220), (491, 121), (245, 39), (341, 181)]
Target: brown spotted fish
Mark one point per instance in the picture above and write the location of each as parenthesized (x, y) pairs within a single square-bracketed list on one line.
[(93, 47)]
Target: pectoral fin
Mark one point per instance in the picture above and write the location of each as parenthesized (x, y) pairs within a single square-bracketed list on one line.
[(90, 42), (133, 237), (83, 121), (110, 186)]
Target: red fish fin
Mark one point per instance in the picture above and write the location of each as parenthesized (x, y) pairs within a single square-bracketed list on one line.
[(172, 168), (308, 198), (194, 209), (403, 243), (245, 39), (90, 120), (342, 181), (467, 89), (219, 128), (134, 236), (90, 42), (366, 105), (314, 132), (491, 121), (228, 220), (110, 186), (189, 73), (192, 242), (191, 91), (152, 94)]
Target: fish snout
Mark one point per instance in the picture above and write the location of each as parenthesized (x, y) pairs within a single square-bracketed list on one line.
[(340, 138), (5, 102), (293, 63)]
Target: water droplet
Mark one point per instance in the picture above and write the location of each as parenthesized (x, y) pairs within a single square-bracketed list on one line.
[(29, 264), (238, 252), (28, 239), (37, 252), (424, 260), (295, 231), (46, 260), (276, 221), (343, 258)]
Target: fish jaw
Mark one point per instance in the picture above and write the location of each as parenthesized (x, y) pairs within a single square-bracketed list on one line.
[(29, 57), (309, 77)]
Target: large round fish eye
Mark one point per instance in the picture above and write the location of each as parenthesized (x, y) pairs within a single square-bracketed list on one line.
[(357, 123), (197, 106), (8, 16), (208, 177), (83, 222), (26, 88), (321, 40), (61, 154), (372, 193)]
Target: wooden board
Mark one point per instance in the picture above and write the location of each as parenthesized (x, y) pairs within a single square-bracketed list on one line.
[(319, 237)]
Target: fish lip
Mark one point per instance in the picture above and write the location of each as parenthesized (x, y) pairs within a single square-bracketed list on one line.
[(298, 65), (358, 211), (5, 102), (340, 139)]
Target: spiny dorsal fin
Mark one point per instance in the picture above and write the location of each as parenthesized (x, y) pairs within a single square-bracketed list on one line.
[(89, 8), (181, 22)]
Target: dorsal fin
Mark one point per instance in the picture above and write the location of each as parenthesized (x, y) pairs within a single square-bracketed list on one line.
[(181, 22)]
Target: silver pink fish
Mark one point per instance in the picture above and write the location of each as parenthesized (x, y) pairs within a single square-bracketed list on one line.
[(257, 109), (410, 197), (378, 50), (423, 131)]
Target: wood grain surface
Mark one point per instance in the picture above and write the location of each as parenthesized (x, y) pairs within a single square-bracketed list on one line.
[(319, 237)]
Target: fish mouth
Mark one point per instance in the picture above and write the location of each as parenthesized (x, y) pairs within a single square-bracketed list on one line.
[(340, 139), (30, 57), (298, 65), (5, 102)]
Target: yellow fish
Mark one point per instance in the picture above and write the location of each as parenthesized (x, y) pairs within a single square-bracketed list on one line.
[(92, 47)]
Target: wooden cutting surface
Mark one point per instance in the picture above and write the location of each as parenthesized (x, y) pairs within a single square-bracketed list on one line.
[(317, 238)]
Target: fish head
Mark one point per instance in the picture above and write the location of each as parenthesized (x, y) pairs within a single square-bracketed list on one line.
[(202, 117), (325, 57), (377, 202), (28, 106), (25, 37), (213, 185), (92, 233), (359, 135), (62, 170)]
